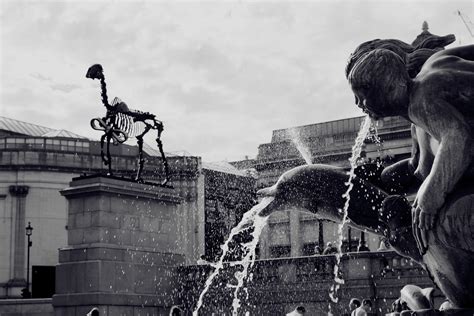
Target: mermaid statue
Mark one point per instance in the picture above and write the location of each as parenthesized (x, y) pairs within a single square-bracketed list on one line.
[(433, 88)]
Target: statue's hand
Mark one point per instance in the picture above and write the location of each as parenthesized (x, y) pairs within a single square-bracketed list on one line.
[(424, 212)]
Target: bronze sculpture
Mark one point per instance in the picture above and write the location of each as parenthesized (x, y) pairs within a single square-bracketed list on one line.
[(120, 123), (434, 89)]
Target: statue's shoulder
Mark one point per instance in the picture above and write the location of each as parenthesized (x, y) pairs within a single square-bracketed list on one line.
[(439, 63), (432, 77)]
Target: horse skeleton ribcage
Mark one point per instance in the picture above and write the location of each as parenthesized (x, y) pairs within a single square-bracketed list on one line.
[(125, 123)]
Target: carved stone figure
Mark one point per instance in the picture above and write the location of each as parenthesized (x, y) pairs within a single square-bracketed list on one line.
[(120, 123), (439, 104), (434, 89)]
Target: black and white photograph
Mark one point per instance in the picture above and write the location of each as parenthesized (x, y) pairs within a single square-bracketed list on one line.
[(236, 157)]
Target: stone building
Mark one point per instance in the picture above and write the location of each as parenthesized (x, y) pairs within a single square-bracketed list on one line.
[(37, 162), (229, 193), (293, 234)]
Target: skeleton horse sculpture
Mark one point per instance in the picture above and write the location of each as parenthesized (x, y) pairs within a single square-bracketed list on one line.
[(120, 123)]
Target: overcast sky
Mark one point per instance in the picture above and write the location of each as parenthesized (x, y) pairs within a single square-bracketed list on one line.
[(220, 75)]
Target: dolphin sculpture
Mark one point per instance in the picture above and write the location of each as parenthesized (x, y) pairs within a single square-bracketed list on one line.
[(319, 189)]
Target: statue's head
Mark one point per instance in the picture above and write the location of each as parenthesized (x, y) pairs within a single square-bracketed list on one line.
[(400, 48), (380, 81), (95, 72)]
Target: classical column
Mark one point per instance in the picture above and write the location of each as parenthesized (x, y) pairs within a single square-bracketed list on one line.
[(264, 242), (19, 192), (295, 238)]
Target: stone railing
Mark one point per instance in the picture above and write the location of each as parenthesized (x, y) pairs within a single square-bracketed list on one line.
[(276, 286)]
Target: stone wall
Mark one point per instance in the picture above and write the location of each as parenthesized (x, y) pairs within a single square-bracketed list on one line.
[(30, 307), (227, 198)]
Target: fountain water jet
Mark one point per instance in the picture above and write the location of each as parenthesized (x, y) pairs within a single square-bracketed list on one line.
[(250, 219), (248, 260), (356, 152), (302, 148)]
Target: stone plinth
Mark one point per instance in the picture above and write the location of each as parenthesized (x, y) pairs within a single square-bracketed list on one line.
[(124, 242)]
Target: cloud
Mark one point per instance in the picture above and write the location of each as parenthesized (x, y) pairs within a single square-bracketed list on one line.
[(40, 77), (221, 75), (66, 88)]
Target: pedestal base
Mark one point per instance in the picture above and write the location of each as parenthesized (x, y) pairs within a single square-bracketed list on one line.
[(124, 247)]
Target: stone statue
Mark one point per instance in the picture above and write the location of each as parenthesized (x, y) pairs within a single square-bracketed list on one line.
[(120, 123), (434, 89)]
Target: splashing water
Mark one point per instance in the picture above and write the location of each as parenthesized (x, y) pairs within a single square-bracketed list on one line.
[(250, 219), (378, 142), (356, 151), (375, 135), (302, 148), (248, 260)]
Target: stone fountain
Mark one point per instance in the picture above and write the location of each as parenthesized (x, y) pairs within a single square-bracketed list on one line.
[(422, 205)]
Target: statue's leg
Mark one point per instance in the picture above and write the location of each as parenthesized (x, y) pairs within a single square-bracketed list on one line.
[(165, 161), (399, 178), (396, 212), (393, 216), (106, 158), (109, 157), (102, 154), (141, 161)]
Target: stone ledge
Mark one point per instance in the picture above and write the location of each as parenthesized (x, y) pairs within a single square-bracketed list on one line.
[(22, 301), (118, 253), (60, 300), (119, 187)]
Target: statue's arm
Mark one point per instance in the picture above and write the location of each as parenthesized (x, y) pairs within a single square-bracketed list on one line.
[(446, 124), (415, 150)]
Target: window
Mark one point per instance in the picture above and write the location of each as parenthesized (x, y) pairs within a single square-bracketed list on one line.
[(39, 143), (64, 145), (49, 144), (10, 142)]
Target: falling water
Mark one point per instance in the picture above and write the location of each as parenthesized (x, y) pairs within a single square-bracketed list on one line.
[(248, 260), (250, 219), (378, 142), (374, 135), (356, 151), (302, 148)]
